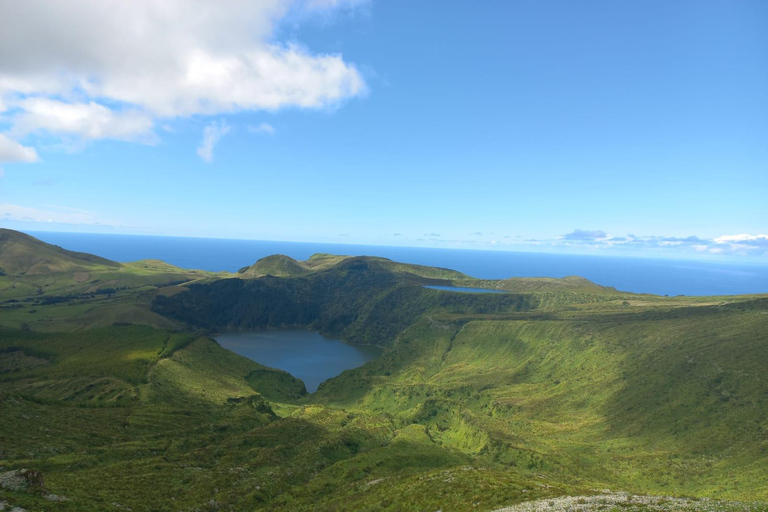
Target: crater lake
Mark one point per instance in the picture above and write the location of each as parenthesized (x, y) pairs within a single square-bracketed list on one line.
[(307, 355)]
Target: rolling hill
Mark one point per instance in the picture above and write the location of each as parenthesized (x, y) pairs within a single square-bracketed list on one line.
[(23, 254), (279, 265)]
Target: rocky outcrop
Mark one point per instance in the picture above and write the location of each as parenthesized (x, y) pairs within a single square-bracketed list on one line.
[(21, 480), (627, 502)]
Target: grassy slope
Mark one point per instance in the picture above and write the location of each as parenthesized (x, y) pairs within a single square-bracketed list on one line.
[(177, 427), (670, 402), (22, 254), (98, 412), (279, 265), (572, 284), (80, 291)]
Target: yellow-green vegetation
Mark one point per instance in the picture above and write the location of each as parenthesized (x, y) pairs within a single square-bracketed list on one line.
[(673, 403), (557, 388), (539, 284), (21, 254)]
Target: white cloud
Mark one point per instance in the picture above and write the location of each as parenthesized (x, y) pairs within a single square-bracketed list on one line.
[(742, 243), (49, 214), (262, 128), (585, 234), (728, 245), (211, 135), (333, 4), (87, 120), (108, 69), (12, 151), (740, 238)]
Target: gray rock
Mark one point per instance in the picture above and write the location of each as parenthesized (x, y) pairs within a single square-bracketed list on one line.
[(5, 506), (21, 479)]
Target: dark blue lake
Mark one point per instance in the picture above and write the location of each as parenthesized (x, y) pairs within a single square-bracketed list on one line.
[(659, 276), (306, 355)]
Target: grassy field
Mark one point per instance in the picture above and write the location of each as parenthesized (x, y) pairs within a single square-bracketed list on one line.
[(112, 389), (671, 406)]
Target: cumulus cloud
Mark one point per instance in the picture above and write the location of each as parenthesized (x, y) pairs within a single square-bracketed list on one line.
[(262, 128), (87, 120), (12, 151), (743, 238), (583, 234), (598, 240), (744, 243), (211, 135), (99, 69)]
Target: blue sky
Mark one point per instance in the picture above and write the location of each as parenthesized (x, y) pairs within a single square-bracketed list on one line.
[(637, 128)]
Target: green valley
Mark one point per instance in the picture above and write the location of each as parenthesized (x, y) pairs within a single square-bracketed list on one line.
[(115, 396)]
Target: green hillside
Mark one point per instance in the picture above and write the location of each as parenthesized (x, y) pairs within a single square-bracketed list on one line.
[(279, 265), (560, 393), (23, 254), (47, 288), (574, 284), (672, 403)]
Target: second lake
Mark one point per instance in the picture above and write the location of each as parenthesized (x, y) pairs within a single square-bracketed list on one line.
[(307, 355)]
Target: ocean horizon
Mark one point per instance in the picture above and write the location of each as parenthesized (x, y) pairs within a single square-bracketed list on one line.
[(640, 275)]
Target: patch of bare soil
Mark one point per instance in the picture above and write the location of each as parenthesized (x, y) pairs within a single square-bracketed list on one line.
[(80, 277)]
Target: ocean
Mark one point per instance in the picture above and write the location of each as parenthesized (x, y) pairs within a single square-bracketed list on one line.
[(640, 275)]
